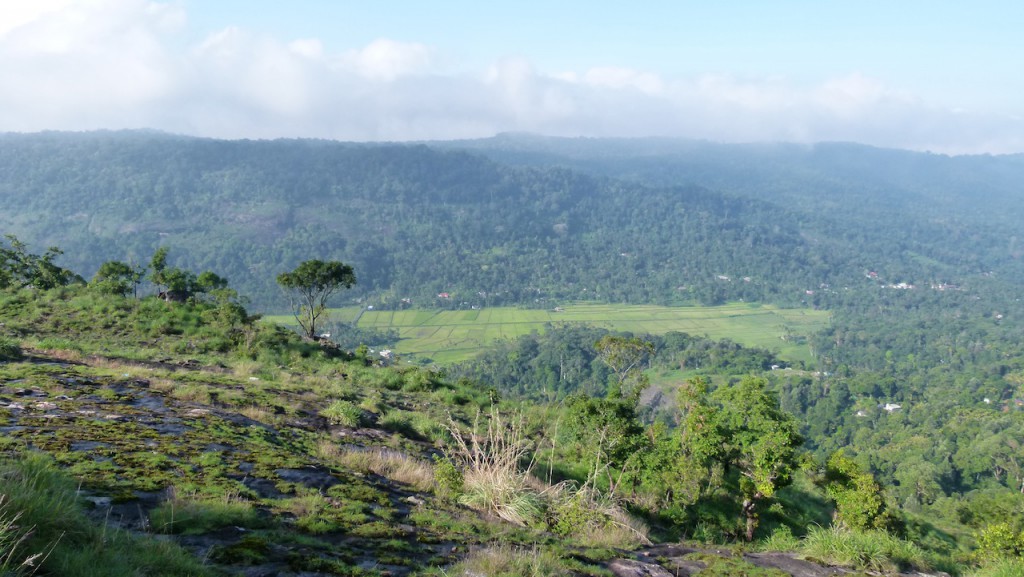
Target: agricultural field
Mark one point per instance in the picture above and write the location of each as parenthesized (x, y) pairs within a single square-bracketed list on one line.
[(452, 336)]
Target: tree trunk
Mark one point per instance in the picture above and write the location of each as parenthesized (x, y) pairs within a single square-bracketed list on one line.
[(749, 507)]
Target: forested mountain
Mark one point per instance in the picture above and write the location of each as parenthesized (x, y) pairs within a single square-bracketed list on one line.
[(417, 220)]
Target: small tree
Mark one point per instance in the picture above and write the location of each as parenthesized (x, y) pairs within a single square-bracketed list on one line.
[(625, 357), (858, 498), (20, 268), (761, 443), (116, 277), (310, 285)]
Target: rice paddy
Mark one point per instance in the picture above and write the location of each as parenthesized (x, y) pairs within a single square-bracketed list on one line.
[(452, 336)]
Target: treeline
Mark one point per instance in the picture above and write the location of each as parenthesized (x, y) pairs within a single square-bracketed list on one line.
[(562, 360)]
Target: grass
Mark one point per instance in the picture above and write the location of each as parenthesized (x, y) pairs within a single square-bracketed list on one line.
[(391, 464), (1001, 568), (453, 336), (867, 550), (509, 561), (494, 479), (193, 514), (63, 541)]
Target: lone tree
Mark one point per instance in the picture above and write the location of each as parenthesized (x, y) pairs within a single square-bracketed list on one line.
[(310, 285)]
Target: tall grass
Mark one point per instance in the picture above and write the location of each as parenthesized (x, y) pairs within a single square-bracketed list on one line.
[(46, 502), (865, 550), (14, 558), (1001, 568), (509, 561), (494, 477)]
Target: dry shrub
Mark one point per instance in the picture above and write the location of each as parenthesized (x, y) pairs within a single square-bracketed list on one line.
[(391, 464), (494, 477), (259, 414)]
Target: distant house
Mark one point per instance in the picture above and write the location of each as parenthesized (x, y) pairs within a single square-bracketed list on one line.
[(444, 296), (890, 407)]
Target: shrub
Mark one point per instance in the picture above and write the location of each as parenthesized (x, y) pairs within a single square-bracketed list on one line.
[(593, 519), (9, 350), (448, 477), (999, 541), (343, 413)]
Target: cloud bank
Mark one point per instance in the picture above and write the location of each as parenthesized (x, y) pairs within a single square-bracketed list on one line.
[(110, 64)]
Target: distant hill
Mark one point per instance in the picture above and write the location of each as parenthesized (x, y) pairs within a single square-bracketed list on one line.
[(538, 220)]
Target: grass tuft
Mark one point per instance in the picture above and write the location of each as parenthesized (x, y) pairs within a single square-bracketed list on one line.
[(386, 463), (866, 550), (194, 514)]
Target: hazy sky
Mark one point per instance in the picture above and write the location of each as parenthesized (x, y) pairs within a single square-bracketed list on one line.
[(929, 75)]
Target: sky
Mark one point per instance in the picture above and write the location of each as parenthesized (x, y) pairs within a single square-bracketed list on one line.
[(937, 75)]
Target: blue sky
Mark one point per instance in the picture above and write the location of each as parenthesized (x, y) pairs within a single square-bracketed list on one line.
[(937, 75)]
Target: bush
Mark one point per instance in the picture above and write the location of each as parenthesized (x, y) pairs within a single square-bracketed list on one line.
[(9, 350), (343, 413), (448, 477), (999, 541)]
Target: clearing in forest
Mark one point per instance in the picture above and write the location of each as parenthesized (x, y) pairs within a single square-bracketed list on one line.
[(452, 336)]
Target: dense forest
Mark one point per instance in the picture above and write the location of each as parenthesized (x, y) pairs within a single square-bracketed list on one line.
[(417, 221), (918, 380)]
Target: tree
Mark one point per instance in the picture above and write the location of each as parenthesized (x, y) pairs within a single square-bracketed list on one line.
[(761, 443), (20, 268), (700, 440), (859, 502), (310, 285), (116, 277), (173, 284), (625, 357)]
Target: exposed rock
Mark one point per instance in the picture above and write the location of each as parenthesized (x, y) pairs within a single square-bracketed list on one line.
[(631, 568)]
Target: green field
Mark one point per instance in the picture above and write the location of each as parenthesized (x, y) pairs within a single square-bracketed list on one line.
[(451, 336)]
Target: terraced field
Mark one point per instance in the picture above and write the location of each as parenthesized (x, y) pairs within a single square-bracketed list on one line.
[(452, 336)]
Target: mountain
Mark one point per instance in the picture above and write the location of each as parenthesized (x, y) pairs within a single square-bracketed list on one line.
[(623, 221)]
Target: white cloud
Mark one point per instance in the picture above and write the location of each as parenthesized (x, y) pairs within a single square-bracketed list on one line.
[(84, 64), (619, 78), (386, 60)]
